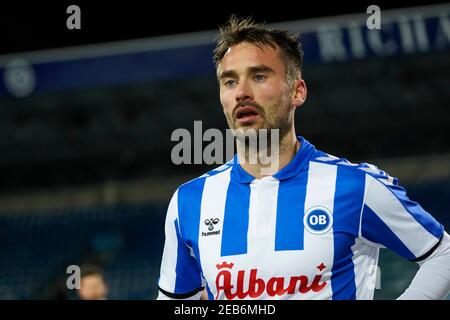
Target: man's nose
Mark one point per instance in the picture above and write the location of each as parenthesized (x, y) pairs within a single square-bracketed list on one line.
[(244, 92)]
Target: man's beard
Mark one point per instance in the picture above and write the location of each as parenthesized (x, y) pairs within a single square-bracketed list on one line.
[(270, 122), (261, 144)]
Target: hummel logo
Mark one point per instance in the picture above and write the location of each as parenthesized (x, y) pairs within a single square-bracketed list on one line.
[(210, 223)]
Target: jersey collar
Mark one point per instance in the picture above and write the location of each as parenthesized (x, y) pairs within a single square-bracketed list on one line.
[(299, 161)]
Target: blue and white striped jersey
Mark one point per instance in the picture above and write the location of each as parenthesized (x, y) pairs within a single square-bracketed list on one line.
[(311, 231)]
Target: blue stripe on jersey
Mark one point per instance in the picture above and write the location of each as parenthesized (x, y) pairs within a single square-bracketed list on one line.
[(348, 199), (235, 220), (375, 230), (419, 214), (210, 294), (290, 210), (189, 204), (188, 274)]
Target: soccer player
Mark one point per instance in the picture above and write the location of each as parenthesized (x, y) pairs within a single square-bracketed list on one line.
[(310, 230)]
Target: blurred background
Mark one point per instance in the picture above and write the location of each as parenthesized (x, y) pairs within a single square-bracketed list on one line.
[(86, 118)]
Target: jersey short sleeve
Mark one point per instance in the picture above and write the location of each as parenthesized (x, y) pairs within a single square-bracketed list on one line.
[(390, 219)]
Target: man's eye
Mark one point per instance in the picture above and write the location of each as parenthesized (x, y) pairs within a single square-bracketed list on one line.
[(260, 77), (230, 83)]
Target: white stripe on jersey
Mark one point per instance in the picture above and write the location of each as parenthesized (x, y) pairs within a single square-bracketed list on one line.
[(213, 207), (321, 177), (365, 260), (262, 216)]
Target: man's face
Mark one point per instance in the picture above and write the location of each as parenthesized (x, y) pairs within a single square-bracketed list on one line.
[(92, 287), (253, 88)]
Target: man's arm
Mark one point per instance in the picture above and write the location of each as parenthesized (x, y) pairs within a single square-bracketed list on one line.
[(432, 281), (390, 219)]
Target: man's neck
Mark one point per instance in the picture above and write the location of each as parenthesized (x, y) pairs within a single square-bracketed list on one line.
[(287, 150)]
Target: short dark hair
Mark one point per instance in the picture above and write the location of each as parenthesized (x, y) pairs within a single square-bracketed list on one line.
[(90, 270), (237, 30)]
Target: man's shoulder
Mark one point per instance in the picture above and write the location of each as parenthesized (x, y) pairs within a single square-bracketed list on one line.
[(355, 169), (195, 183)]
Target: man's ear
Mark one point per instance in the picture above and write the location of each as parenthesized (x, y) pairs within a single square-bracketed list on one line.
[(300, 92)]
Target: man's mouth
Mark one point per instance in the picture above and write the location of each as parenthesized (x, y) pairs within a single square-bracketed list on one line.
[(246, 114)]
